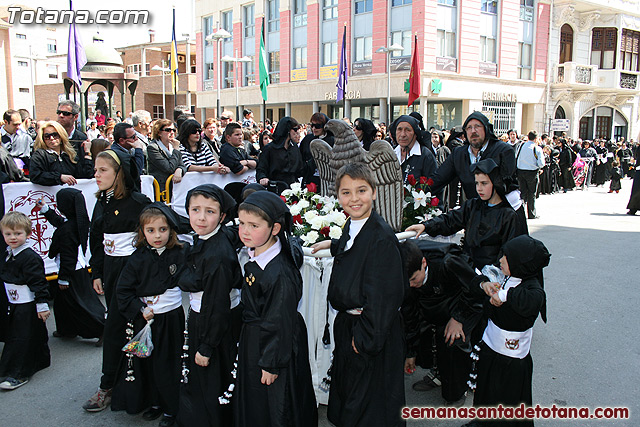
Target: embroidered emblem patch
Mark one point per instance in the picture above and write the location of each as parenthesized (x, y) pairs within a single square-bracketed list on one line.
[(172, 269), (13, 294), (250, 279), (151, 300), (116, 212), (109, 246), (512, 344)]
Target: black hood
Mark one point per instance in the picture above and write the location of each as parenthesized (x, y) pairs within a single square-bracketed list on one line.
[(488, 127), (526, 256), (70, 202), (281, 133), (414, 124), (172, 217), (368, 128), (490, 168), (227, 203)]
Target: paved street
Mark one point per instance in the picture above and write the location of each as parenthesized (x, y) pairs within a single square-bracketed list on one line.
[(587, 355)]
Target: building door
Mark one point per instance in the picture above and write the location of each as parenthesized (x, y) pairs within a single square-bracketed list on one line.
[(585, 128), (603, 127), (566, 44)]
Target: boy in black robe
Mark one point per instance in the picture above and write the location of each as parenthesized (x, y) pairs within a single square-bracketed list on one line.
[(78, 308), (367, 287), (505, 366), (274, 386), (210, 272), (26, 350)]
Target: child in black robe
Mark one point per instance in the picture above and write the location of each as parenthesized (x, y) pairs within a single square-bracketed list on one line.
[(367, 287), (78, 310), (616, 176), (273, 386), (26, 350), (505, 366), (113, 231), (211, 272), (147, 289)]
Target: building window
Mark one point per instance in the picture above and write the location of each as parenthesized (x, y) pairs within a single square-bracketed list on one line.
[(250, 72), (363, 6), (299, 13), (489, 6), (524, 60), (273, 16), (363, 48), (23, 90), (136, 69), (21, 36), (329, 9), (489, 31), (400, 2), (503, 114), (629, 49), (300, 57), (23, 64), (158, 112), (566, 44), (447, 2), (249, 21), (487, 49), (227, 75), (330, 53), (525, 45), (603, 47), (227, 49), (227, 21), (207, 28), (274, 66), (52, 46), (52, 70), (447, 18), (402, 38)]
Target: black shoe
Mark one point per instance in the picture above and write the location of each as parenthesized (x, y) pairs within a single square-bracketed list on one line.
[(167, 421), (100, 341), (151, 414), (631, 212)]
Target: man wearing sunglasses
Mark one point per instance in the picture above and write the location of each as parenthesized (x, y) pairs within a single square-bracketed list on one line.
[(68, 117), (318, 120)]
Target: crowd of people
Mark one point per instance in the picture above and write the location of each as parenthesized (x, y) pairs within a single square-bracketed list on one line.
[(242, 358)]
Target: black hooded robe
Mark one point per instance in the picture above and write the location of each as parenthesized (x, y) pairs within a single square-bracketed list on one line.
[(77, 309), (367, 389), (278, 163)]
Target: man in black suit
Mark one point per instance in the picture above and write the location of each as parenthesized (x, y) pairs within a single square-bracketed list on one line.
[(67, 117)]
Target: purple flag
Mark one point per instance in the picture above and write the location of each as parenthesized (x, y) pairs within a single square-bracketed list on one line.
[(342, 74), (76, 58)]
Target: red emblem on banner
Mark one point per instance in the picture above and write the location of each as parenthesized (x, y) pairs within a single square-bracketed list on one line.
[(27, 205)]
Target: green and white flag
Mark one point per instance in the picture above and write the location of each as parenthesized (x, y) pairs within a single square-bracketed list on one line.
[(264, 69)]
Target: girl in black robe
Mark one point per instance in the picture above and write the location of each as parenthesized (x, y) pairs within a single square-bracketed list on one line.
[(273, 386), (22, 274), (113, 230), (281, 160), (147, 289), (210, 272), (78, 310), (616, 176), (505, 366)]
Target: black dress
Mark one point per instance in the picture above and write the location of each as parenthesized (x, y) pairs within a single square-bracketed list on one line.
[(113, 216), (77, 309), (278, 163), (367, 388), (45, 167), (157, 377), (211, 267), (274, 339), (26, 350)]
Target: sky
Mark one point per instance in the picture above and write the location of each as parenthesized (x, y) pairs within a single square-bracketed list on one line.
[(160, 19)]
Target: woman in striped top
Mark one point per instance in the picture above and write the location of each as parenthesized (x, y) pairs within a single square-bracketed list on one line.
[(196, 155)]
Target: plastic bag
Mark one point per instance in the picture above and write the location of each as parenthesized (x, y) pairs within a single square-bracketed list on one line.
[(493, 273), (141, 345)]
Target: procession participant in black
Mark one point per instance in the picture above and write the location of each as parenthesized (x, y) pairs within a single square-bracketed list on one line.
[(413, 154), (436, 297), (77, 307), (367, 286), (274, 386), (113, 231), (147, 289), (634, 200), (317, 120), (211, 271), (505, 366), (25, 350), (281, 160)]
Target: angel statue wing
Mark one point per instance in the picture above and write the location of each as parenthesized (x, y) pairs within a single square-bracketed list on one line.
[(321, 152), (383, 162)]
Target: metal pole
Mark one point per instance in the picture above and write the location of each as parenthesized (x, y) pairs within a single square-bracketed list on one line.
[(33, 89), (235, 65), (164, 93), (388, 88), (218, 79)]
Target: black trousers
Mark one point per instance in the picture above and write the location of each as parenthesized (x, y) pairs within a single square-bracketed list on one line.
[(528, 182)]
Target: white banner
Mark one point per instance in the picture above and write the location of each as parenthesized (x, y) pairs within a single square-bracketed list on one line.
[(22, 197), (193, 179)]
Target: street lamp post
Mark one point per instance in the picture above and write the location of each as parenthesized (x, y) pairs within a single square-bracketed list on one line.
[(218, 36), (235, 61), (164, 70), (389, 50)]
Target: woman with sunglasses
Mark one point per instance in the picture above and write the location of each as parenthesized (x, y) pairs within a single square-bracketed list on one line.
[(55, 161), (318, 120), (365, 130), (196, 154), (165, 158)]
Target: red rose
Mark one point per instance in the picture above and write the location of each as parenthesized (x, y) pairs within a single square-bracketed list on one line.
[(429, 182), (423, 180), (319, 206), (411, 179), (434, 202), (324, 231), (312, 187), (297, 219), (284, 199)]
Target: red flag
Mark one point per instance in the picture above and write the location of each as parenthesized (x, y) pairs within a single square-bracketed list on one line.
[(414, 77)]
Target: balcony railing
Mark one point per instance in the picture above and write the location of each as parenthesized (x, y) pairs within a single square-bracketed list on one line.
[(583, 76)]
